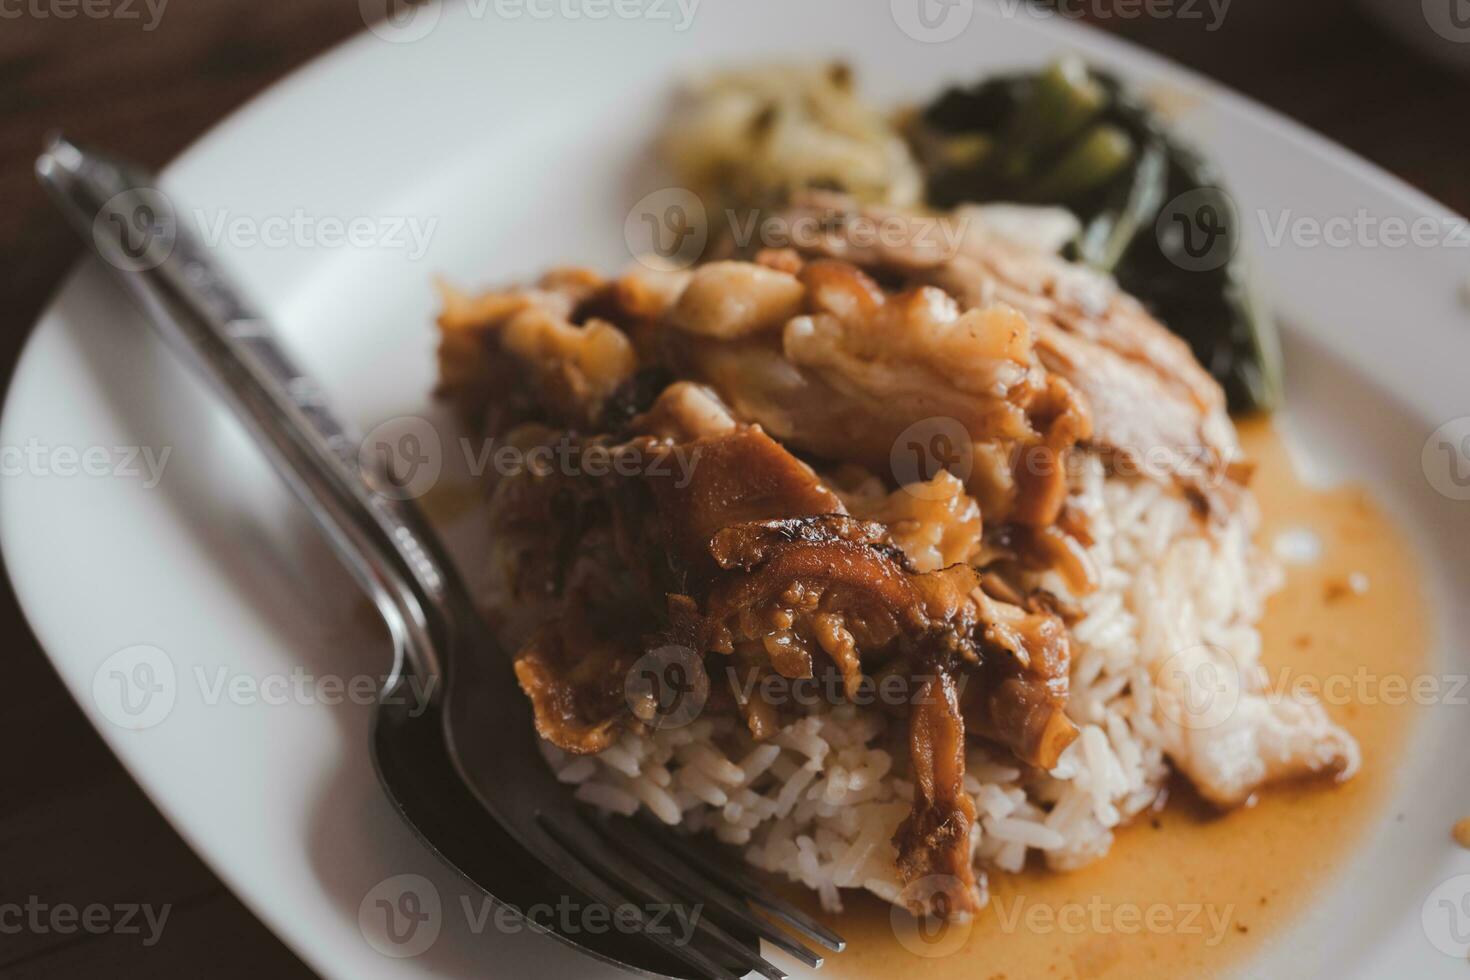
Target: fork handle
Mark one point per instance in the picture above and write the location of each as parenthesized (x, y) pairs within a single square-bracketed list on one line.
[(383, 541)]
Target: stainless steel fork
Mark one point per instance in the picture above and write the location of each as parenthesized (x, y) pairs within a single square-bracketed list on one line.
[(452, 740)]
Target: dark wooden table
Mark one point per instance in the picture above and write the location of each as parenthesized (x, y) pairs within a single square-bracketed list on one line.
[(74, 829)]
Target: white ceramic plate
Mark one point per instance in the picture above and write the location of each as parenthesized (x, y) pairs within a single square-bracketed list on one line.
[(524, 139)]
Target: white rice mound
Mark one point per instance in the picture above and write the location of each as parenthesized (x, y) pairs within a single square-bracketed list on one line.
[(820, 802)]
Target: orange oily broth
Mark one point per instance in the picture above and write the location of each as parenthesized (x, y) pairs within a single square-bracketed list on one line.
[(1216, 886)]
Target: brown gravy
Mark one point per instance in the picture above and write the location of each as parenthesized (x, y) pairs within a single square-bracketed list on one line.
[(1215, 886)]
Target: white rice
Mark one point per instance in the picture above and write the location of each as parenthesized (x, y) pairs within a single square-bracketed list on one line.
[(820, 802)]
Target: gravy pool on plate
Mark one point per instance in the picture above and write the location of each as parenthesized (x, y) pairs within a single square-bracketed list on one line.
[(1218, 886)]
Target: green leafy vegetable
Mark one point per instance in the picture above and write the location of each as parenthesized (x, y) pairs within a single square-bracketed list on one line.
[(1153, 210)]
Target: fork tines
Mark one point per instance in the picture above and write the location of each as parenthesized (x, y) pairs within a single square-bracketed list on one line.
[(639, 866)]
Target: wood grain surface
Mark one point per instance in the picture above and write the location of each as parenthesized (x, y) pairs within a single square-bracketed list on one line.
[(74, 828)]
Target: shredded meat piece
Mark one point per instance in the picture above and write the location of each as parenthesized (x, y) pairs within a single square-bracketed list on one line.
[(729, 300), (1148, 423), (935, 522), (935, 837), (743, 475), (647, 294), (685, 411), (1151, 404), (835, 565), (520, 353), (1230, 738), (1053, 547), (574, 679), (1019, 697)]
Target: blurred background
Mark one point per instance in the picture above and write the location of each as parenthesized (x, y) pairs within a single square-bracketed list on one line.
[(1389, 79)]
